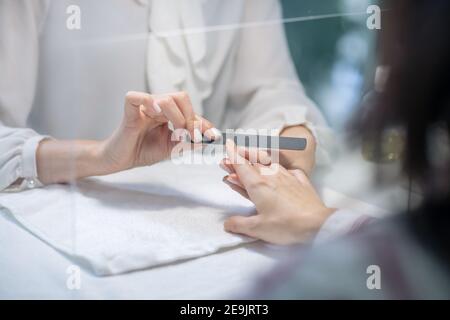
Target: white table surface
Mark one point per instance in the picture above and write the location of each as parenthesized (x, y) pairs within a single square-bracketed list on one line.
[(31, 269)]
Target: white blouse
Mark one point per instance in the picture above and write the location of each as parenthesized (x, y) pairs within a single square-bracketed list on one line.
[(230, 56)]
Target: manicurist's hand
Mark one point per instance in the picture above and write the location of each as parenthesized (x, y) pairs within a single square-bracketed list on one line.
[(289, 211), (142, 138)]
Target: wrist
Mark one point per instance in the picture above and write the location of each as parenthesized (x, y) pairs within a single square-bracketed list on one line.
[(64, 161), (107, 159), (322, 215), (308, 228), (305, 159), (93, 158)]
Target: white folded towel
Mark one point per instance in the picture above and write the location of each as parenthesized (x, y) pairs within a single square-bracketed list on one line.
[(134, 219)]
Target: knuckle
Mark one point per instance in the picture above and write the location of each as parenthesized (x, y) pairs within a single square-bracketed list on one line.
[(183, 95), (169, 100), (147, 99), (190, 125), (165, 102), (231, 224), (182, 123), (130, 96)]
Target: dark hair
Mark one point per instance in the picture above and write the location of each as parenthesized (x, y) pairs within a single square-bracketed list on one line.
[(414, 44)]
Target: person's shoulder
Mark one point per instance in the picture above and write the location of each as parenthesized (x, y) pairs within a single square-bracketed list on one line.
[(33, 12), (384, 261)]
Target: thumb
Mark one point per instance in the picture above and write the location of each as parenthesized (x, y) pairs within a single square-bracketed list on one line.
[(248, 226), (133, 101)]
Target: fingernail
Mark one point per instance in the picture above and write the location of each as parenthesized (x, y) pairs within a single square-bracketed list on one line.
[(216, 133), (181, 135), (209, 135), (197, 135), (213, 134), (156, 107)]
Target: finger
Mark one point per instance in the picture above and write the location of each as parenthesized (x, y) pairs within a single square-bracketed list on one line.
[(248, 226), (255, 155), (205, 124), (236, 188), (200, 126), (225, 167), (154, 112), (171, 111), (247, 174), (234, 179), (183, 101), (133, 102), (208, 129), (227, 163), (146, 104)]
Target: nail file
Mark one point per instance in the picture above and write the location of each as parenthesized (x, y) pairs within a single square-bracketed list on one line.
[(260, 141)]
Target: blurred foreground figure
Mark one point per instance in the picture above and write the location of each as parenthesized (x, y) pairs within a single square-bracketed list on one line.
[(407, 256)]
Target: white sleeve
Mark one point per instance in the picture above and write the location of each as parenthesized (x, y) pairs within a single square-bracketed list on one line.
[(18, 158), (266, 92), (20, 22), (340, 223)]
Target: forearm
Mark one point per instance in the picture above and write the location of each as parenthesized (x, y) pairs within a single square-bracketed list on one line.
[(305, 159), (61, 161)]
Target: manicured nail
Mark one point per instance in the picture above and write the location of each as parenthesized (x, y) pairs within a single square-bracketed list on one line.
[(209, 135), (181, 135), (197, 135), (216, 134), (156, 107), (213, 134)]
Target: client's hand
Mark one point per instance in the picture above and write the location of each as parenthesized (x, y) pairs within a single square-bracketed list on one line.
[(144, 138), (288, 208)]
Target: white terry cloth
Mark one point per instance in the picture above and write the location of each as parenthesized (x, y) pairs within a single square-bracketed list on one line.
[(134, 219)]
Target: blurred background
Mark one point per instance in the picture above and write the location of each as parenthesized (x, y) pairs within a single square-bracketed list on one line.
[(334, 56)]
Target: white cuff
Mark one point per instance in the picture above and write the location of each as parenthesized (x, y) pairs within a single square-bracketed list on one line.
[(340, 223), (28, 166)]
